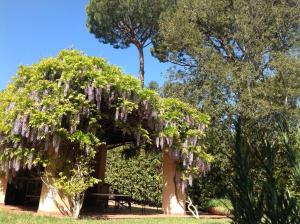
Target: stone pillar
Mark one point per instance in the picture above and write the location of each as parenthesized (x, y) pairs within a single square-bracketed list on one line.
[(53, 202), (171, 204), (3, 187)]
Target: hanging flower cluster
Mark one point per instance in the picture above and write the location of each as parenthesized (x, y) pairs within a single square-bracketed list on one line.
[(70, 103)]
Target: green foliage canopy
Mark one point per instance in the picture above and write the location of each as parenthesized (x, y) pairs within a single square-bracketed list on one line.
[(126, 22)]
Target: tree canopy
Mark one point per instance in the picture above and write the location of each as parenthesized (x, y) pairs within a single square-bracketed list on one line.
[(238, 67), (126, 22)]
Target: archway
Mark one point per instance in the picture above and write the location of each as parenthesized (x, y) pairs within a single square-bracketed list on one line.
[(57, 113)]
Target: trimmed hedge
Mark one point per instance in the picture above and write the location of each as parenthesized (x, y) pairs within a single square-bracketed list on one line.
[(139, 175)]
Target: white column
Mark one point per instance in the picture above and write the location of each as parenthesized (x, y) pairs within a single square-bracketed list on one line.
[(3, 187), (53, 202), (171, 204)]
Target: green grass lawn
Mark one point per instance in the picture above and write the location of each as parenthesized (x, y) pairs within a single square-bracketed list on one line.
[(24, 218)]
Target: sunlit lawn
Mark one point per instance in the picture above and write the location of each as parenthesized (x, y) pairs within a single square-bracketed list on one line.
[(26, 218)]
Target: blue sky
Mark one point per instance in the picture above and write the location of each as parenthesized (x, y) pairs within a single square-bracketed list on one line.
[(33, 29)]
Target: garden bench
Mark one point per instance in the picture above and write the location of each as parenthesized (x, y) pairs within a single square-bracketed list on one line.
[(33, 190), (119, 199)]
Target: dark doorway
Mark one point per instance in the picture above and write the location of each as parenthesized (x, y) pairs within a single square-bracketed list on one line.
[(24, 189)]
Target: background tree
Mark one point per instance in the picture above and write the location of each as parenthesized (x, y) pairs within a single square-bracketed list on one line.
[(238, 67), (153, 85), (125, 22)]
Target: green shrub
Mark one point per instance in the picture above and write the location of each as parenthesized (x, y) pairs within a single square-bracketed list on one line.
[(218, 206), (218, 203), (139, 175)]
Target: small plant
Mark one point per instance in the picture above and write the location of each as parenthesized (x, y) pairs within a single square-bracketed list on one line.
[(75, 182)]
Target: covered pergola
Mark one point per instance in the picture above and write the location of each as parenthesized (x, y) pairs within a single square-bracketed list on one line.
[(60, 115)]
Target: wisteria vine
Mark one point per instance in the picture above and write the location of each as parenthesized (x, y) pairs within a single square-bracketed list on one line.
[(60, 103)]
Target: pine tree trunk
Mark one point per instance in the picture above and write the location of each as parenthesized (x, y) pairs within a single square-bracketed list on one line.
[(141, 70)]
